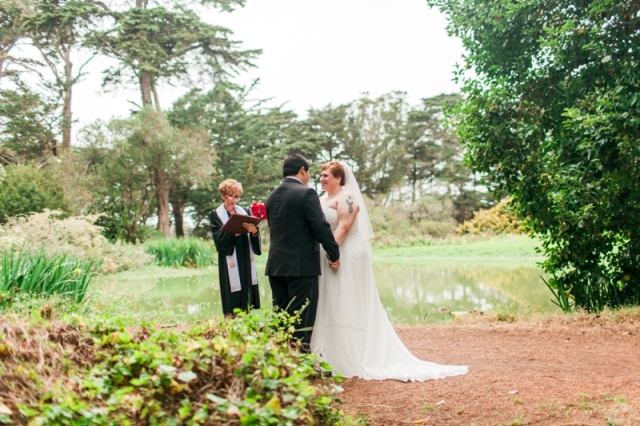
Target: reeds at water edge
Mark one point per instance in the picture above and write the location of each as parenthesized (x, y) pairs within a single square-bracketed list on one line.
[(41, 274), (178, 252)]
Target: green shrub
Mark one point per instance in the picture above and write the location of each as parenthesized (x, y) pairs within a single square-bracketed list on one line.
[(234, 371), (400, 225), (176, 252), (26, 189), (499, 219), (76, 236), (36, 273)]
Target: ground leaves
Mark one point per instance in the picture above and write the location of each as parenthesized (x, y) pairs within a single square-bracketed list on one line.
[(233, 371)]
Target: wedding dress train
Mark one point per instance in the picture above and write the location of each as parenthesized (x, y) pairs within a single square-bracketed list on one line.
[(352, 331)]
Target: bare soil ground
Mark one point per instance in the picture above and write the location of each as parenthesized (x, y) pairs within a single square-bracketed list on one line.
[(582, 370)]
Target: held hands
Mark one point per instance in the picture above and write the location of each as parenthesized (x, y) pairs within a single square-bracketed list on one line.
[(333, 265)]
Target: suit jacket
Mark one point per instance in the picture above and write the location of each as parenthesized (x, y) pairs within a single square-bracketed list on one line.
[(296, 226)]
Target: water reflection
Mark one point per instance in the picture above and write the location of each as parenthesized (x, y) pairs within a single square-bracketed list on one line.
[(414, 293), (410, 293)]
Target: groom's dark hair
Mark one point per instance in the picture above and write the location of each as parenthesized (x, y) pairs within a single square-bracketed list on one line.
[(292, 163)]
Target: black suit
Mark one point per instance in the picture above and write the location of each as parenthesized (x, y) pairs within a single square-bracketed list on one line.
[(296, 226)]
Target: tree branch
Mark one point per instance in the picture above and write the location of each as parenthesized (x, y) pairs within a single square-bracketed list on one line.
[(48, 61)]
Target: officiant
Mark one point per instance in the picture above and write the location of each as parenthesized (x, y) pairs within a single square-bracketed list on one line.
[(236, 253)]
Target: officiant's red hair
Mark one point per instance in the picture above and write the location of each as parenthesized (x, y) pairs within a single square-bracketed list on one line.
[(336, 169), (230, 187)]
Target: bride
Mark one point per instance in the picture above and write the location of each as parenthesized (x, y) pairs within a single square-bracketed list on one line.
[(352, 332)]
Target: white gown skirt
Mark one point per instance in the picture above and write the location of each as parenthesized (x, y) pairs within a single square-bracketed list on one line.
[(352, 332)]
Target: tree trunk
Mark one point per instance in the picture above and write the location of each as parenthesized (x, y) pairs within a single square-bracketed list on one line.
[(414, 182), (145, 76), (156, 98), (178, 218), (162, 195), (131, 233), (66, 109), (145, 88)]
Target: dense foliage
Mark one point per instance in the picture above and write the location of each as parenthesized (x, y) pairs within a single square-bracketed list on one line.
[(552, 114), (238, 371), (39, 274), (76, 236), (27, 125), (400, 153), (189, 252), (25, 189), (136, 163), (499, 219)]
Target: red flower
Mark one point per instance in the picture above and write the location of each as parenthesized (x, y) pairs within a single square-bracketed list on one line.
[(259, 210)]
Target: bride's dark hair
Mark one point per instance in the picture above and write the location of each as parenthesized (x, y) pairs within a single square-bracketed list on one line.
[(336, 169)]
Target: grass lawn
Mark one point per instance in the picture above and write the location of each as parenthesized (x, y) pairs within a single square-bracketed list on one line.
[(498, 248)]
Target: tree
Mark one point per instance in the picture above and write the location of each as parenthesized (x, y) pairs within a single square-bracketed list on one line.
[(27, 189), (56, 29), (155, 43), (26, 122), (11, 33), (443, 147), (136, 162), (374, 146), (329, 128), (551, 113), (426, 140), (218, 112), (118, 177), (27, 125), (169, 154), (250, 141), (255, 155)]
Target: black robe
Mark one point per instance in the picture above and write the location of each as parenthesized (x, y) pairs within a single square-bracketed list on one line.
[(249, 295)]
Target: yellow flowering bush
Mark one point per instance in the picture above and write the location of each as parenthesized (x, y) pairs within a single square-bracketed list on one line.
[(496, 220)]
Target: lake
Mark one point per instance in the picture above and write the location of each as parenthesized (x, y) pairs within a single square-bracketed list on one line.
[(412, 292)]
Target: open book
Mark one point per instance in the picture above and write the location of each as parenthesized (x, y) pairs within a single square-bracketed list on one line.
[(234, 224)]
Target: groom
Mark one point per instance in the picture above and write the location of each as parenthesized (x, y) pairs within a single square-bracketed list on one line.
[(296, 226)]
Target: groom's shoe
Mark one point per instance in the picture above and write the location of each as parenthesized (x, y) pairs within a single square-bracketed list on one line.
[(327, 373)]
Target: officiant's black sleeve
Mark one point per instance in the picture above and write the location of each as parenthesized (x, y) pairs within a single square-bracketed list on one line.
[(255, 244), (319, 226), (225, 242)]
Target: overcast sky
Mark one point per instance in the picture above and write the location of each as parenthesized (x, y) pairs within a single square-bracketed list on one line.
[(317, 52)]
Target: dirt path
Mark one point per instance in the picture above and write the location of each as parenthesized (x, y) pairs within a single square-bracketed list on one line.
[(578, 371)]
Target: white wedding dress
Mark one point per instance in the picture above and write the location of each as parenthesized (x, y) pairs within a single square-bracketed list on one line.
[(352, 332)]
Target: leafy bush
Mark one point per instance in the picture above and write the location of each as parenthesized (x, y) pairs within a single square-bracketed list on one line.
[(176, 252), (551, 114), (36, 273), (77, 236), (400, 225), (235, 371), (26, 189), (499, 219)]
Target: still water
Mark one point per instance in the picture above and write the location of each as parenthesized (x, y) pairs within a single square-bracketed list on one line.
[(411, 293)]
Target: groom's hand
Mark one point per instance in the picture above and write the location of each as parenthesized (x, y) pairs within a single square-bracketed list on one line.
[(334, 265)]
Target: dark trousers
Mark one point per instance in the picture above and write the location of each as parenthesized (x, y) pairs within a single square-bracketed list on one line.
[(291, 293)]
